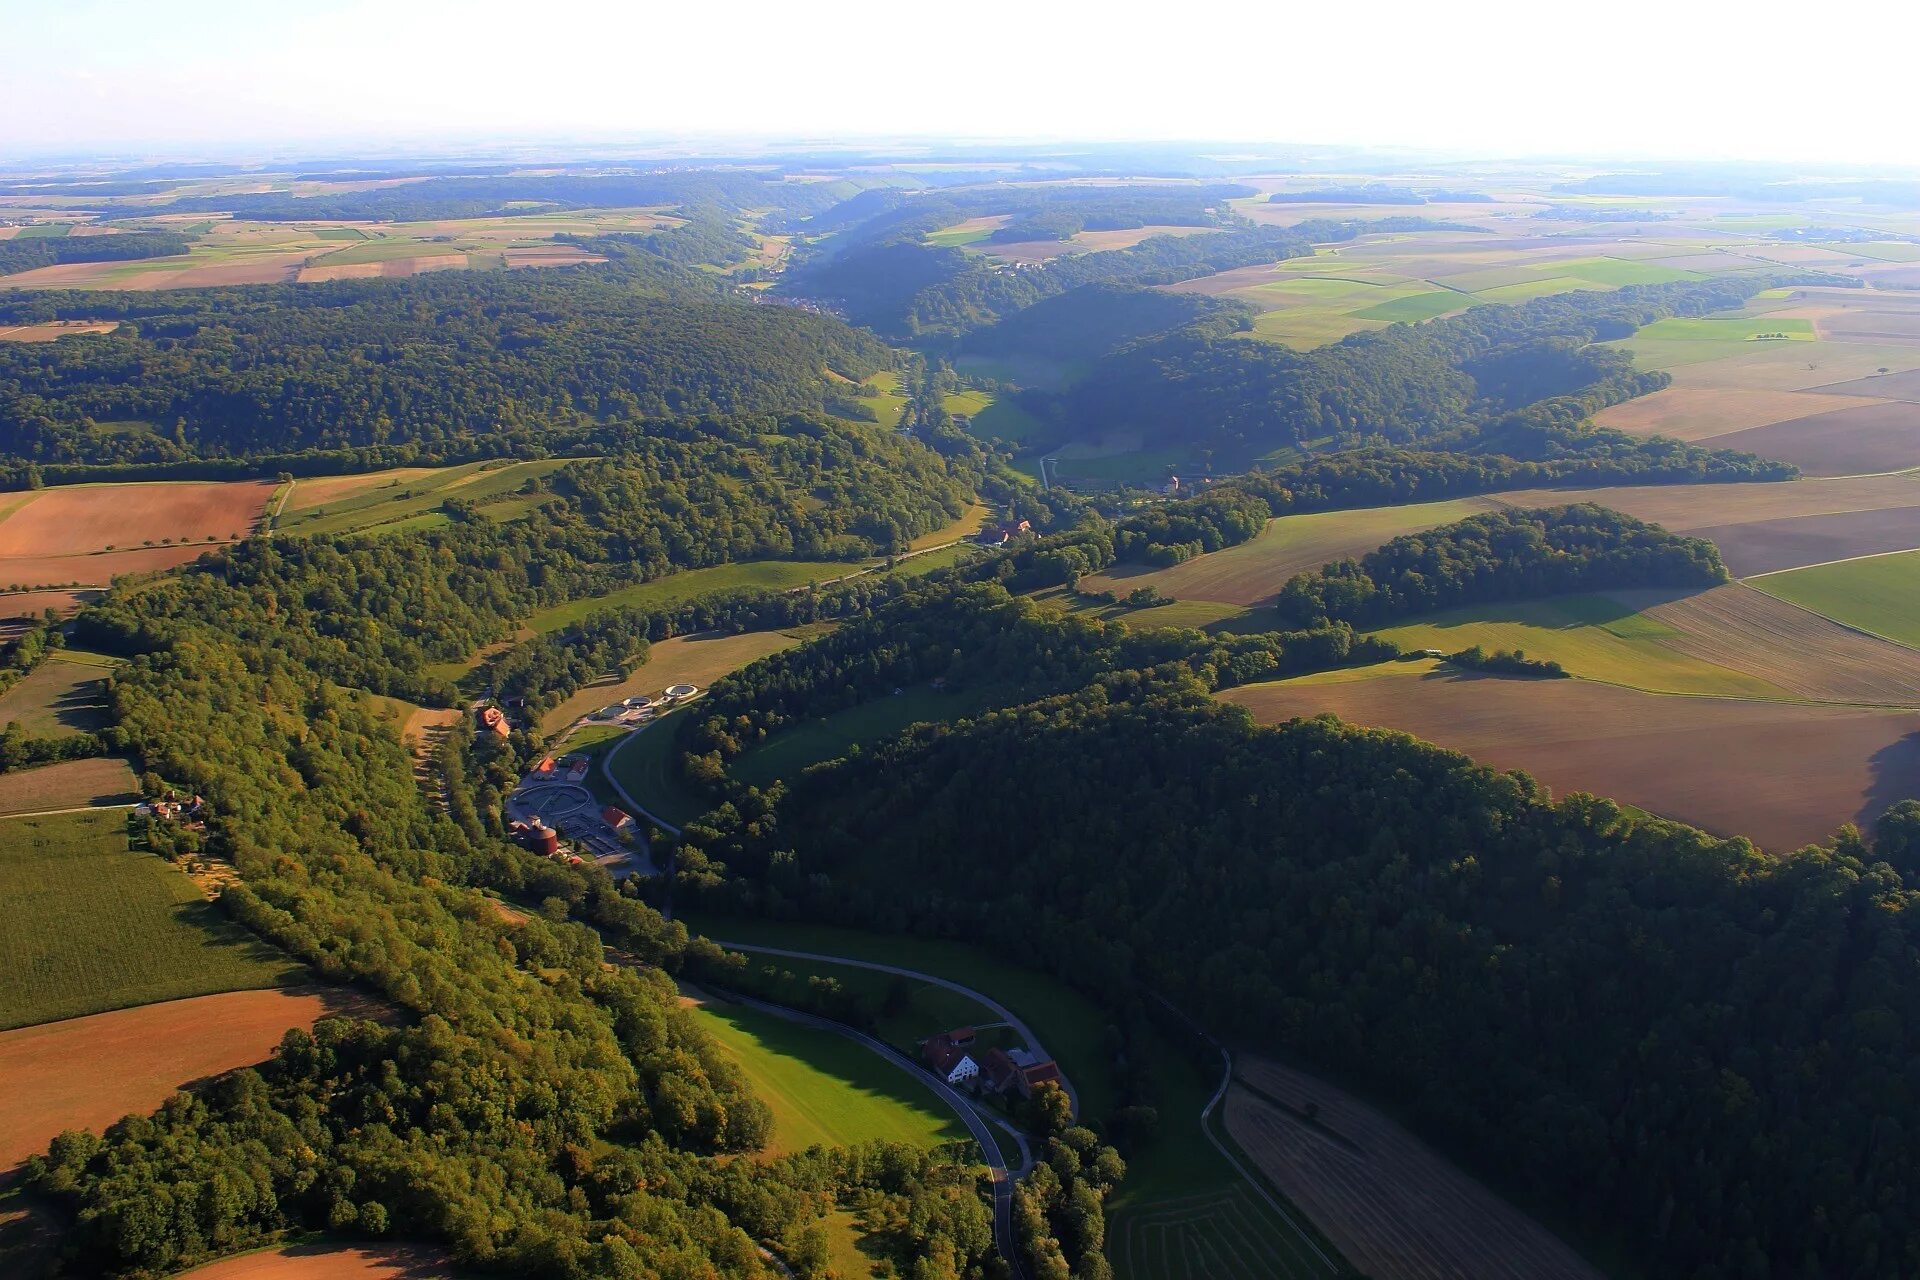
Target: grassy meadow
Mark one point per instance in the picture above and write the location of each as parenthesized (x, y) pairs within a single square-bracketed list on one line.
[(1878, 594)]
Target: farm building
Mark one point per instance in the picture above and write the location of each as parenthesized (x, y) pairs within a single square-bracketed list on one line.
[(1000, 535), (1018, 1071), (618, 819), (947, 1057), (493, 720), (577, 769)]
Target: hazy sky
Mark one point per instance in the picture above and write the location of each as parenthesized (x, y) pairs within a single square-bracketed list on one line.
[(1623, 78)]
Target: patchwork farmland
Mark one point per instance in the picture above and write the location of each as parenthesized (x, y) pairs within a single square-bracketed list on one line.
[(86, 535)]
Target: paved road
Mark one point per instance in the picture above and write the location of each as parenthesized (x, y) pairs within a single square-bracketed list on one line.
[(970, 1116), (606, 770), (1006, 1014)]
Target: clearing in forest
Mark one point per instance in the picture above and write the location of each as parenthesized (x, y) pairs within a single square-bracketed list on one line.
[(1784, 774), (824, 1088)]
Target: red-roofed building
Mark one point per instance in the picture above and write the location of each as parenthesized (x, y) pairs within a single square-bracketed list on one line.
[(947, 1057), (493, 720), (618, 819)]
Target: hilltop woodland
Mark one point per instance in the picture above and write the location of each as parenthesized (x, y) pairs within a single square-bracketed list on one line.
[(1502, 555), (51, 251), (509, 362), (1692, 1051)]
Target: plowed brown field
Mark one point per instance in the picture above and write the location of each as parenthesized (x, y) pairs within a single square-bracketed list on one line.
[(1397, 1209), (330, 1262), (1861, 440), (1784, 774), (1701, 413), (136, 1058)]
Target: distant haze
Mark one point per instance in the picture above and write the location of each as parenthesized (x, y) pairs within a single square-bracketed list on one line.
[(1629, 79)]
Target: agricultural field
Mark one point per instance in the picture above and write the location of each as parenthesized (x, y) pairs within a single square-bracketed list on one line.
[(331, 1262), (87, 534), (71, 784), (53, 330), (1784, 774), (95, 924), (786, 754), (991, 417), (690, 584), (1877, 594), (823, 1088), (697, 659), (409, 497), (60, 697), (642, 762), (140, 1057), (1811, 376), (228, 251), (1253, 572), (1396, 1209)]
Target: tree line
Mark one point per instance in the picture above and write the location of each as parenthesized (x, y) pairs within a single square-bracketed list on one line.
[(51, 251)]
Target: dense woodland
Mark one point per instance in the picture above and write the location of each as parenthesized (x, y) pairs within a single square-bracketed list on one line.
[(1501, 555), (1692, 1051), (524, 359), (1442, 383), (50, 251)]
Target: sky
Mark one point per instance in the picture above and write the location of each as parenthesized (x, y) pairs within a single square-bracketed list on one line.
[(1625, 79)]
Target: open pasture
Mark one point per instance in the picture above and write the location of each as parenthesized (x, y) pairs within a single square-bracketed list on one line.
[(94, 924), (1783, 774), (677, 588), (1396, 1209), (58, 698), (823, 1088), (1253, 572), (409, 496), (139, 1057), (787, 753)]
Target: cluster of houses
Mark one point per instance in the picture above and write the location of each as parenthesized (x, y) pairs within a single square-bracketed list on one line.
[(1000, 535), (953, 1056), (173, 809)]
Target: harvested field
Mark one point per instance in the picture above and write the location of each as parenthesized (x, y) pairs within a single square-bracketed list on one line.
[(331, 1262), (1770, 546), (96, 570), (1396, 1209), (1701, 413), (1792, 366), (80, 519), (696, 659), (138, 1057), (54, 329), (550, 255), (71, 784), (1254, 571), (1892, 386), (1807, 655), (339, 271), (1782, 774), (1872, 325), (1862, 440), (34, 604), (319, 491), (1128, 237), (57, 699), (422, 264), (1687, 507)]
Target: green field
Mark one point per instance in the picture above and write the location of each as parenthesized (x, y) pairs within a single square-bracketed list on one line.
[(58, 698), (990, 416), (677, 588), (1877, 594), (1725, 329), (413, 501), (386, 249), (43, 231), (823, 1088), (643, 763), (1590, 635), (93, 925), (787, 753), (1418, 306)]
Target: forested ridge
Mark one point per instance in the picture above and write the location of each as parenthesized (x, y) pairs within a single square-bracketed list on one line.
[(1443, 383), (435, 363), (1694, 1052), (48, 251), (1501, 555)]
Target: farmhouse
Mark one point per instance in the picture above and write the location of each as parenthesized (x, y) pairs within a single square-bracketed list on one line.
[(1019, 1071), (947, 1057), (493, 720), (618, 819), (1000, 535)]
